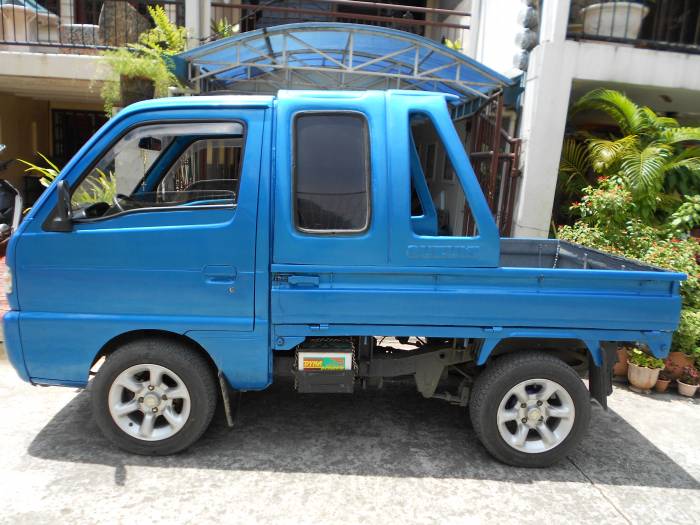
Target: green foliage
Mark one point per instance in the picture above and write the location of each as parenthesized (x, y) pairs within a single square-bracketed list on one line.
[(223, 29), (453, 44), (575, 165), (635, 207), (653, 156), (687, 338), (149, 58), (99, 187), (640, 358), (687, 215), (165, 37), (608, 222), (48, 173)]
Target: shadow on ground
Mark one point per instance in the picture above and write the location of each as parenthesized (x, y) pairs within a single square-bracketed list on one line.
[(392, 432)]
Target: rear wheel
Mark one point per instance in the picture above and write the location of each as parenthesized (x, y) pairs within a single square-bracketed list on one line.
[(529, 409), (154, 397)]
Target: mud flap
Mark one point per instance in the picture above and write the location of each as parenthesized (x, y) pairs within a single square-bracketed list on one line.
[(231, 399), (600, 377)]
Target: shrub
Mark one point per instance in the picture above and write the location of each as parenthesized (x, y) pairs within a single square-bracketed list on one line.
[(687, 338), (607, 223)]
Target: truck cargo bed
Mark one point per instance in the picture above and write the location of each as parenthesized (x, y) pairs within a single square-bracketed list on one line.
[(554, 253)]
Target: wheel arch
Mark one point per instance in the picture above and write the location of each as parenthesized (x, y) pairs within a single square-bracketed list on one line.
[(599, 357), (134, 335), (563, 347)]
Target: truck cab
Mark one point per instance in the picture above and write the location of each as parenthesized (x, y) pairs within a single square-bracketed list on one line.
[(200, 246)]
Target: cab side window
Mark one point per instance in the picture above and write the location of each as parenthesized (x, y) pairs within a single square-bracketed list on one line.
[(331, 172), (164, 166), (207, 171), (444, 194)]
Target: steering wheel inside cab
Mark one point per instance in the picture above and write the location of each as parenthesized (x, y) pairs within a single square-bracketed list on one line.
[(120, 203)]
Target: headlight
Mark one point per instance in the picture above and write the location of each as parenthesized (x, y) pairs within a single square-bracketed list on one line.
[(8, 281)]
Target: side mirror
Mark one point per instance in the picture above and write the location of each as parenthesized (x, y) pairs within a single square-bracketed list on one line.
[(62, 220)]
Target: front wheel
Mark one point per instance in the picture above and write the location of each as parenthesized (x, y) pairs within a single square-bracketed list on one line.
[(529, 409), (154, 397)]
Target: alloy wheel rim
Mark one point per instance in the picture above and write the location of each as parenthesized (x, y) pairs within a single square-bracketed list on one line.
[(149, 402), (535, 416)]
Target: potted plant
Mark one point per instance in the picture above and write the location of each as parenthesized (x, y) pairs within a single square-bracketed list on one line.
[(663, 382), (688, 382), (643, 370), (614, 19), (144, 69)]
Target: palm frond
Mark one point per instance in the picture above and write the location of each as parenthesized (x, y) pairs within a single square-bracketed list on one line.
[(644, 170), (628, 116), (655, 122), (689, 166), (574, 164), (606, 153), (677, 135)]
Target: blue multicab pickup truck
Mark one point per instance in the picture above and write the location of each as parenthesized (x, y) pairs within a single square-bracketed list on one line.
[(198, 247)]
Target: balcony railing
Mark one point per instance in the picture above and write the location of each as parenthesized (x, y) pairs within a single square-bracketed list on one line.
[(437, 24), (656, 24), (78, 26), (85, 26)]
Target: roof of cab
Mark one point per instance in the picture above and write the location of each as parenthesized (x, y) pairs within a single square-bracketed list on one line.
[(247, 101), (261, 101)]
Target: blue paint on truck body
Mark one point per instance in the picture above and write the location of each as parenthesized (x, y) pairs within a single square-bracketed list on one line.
[(241, 281)]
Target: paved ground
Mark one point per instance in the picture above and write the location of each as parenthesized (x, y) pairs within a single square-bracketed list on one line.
[(381, 457)]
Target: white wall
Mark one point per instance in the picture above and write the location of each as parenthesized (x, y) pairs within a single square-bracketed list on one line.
[(496, 24)]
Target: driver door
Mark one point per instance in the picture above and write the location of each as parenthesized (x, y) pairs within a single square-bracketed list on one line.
[(163, 234)]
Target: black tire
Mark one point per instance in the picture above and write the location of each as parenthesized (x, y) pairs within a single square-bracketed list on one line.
[(505, 373), (192, 368)]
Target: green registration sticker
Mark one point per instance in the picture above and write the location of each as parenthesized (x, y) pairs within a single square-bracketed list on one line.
[(324, 363)]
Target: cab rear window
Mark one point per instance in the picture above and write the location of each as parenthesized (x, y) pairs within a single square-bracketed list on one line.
[(331, 172)]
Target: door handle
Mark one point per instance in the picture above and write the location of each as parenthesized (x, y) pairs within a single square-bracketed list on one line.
[(304, 280), (220, 274)]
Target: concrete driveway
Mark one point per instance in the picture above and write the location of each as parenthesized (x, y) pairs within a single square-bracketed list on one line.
[(377, 457)]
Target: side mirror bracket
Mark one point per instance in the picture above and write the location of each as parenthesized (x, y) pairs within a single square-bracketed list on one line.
[(62, 220)]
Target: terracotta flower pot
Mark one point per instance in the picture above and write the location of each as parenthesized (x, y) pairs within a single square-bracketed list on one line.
[(676, 362), (642, 378), (620, 368), (687, 390), (662, 385)]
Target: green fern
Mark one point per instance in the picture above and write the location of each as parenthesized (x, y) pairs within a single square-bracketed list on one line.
[(165, 37)]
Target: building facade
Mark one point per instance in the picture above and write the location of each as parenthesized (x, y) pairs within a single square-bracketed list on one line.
[(649, 50), (50, 77)]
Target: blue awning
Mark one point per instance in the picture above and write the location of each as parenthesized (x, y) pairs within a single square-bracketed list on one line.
[(322, 55)]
